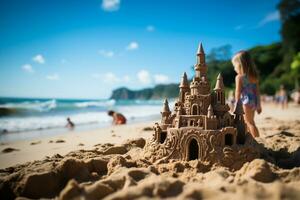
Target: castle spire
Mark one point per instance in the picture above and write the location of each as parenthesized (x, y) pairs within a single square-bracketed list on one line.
[(210, 112), (219, 83), (200, 49), (184, 87), (165, 113), (166, 108), (184, 81), (200, 66)]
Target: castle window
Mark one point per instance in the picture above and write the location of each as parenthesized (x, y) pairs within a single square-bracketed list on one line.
[(193, 151), (192, 123), (195, 109), (228, 139), (163, 136)]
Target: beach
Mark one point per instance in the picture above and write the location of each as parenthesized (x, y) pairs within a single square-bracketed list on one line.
[(108, 163)]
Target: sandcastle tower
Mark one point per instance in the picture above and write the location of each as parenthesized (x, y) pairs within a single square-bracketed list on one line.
[(201, 126)]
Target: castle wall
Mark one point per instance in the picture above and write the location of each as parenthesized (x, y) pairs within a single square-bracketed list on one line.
[(202, 101)]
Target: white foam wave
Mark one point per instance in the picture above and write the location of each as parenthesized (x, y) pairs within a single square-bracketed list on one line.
[(29, 123), (95, 103), (37, 105), (18, 124)]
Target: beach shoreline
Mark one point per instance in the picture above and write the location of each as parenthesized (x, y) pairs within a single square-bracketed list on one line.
[(67, 140), (38, 148)]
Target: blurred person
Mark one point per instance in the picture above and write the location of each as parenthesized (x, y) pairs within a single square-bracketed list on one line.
[(118, 118), (70, 124), (282, 97), (296, 96)]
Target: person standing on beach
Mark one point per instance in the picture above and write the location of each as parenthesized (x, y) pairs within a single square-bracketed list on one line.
[(247, 88), (118, 118), (282, 97)]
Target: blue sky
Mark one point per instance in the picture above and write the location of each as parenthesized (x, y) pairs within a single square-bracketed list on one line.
[(86, 48)]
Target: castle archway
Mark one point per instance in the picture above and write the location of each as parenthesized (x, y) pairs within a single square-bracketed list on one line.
[(163, 136), (193, 150), (228, 139)]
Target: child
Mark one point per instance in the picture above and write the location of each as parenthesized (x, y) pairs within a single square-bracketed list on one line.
[(247, 88), (118, 118), (70, 124)]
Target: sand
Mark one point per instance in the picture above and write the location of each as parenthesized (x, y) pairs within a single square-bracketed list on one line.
[(104, 164)]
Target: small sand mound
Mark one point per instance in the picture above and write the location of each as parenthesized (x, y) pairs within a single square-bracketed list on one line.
[(115, 150), (258, 170)]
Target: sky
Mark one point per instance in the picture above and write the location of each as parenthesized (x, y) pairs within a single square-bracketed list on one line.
[(86, 48)]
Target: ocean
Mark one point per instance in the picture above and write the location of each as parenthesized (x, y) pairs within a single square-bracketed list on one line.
[(23, 118)]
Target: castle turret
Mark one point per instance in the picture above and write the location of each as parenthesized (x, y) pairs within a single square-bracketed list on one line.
[(210, 112), (219, 90), (200, 66), (211, 121), (183, 87), (165, 113), (200, 84), (239, 122)]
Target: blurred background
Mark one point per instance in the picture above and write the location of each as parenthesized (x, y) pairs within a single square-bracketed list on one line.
[(78, 59)]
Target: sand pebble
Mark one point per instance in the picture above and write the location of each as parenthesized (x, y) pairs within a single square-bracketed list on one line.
[(37, 142)]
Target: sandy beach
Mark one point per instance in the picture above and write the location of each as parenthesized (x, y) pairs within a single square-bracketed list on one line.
[(36, 149), (102, 163)]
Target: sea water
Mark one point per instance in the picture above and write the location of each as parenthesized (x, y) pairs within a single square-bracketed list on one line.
[(22, 118)]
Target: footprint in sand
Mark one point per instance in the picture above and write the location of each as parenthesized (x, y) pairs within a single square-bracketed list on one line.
[(80, 144), (37, 142), (9, 149), (148, 128), (60, 141)]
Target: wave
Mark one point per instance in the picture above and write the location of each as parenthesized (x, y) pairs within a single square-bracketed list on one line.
[(24, 116), (35, 105), (19, 124), (95, 104)]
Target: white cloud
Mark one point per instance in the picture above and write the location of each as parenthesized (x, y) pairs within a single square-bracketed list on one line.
[(239, 27), (270, 17), (39, 59), (110, 78), (53, 77), (132, 46), (111, 5), (126, 78), (144, 77), (28, 68), (107, 54), (160, 78), (150, 28)]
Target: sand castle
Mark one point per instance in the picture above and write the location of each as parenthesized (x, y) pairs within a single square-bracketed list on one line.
[(201, 126)]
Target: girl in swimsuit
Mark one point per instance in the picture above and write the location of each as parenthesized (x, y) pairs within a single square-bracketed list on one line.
[(247, 88)]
